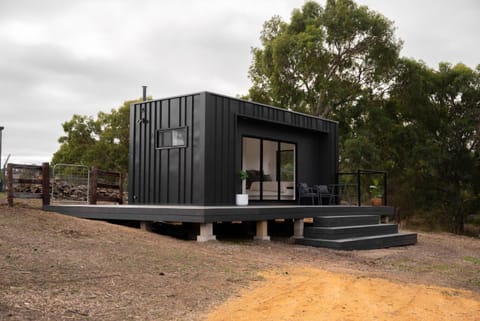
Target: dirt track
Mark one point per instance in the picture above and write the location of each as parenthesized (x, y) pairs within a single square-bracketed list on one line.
[(311, 294), (54, 267)]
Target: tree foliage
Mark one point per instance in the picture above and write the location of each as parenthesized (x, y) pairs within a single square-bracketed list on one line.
[(421, 125), (341, 61), (102, 141), (324, 59), (441, 111), (426, 135)]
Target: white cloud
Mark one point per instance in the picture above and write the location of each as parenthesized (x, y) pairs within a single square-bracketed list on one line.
[(64, 57)]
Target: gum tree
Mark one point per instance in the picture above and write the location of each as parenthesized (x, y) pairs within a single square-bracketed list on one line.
[(324, 59)]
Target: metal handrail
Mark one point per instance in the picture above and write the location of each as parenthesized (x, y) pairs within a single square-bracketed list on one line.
[(358, 175)]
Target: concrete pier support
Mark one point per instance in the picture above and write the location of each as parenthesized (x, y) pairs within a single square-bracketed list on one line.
[(298, 225), (262, 231), (206, 233), (146, 226)]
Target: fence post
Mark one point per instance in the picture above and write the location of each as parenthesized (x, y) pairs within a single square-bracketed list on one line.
[(45, 184), (385, 188), (92, 191), (10, 184)]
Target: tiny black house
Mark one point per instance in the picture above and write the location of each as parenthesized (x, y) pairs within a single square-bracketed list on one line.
[(185, 155), (188, 150)]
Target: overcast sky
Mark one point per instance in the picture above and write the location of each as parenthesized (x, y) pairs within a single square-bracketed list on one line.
[(65, 57)]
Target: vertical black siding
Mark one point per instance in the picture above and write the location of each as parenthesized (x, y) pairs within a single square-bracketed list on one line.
[(220, 155), (164, 155), (165, 176), (188, 185), (174, 169), (316, 143), (205, 172), (199, 178), (157, 163)]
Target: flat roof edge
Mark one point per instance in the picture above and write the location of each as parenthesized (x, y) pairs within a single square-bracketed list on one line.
[(241, 100)]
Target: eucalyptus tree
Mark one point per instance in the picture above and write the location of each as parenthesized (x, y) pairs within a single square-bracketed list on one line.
[(433, 140), (102, 141), (324, 59)]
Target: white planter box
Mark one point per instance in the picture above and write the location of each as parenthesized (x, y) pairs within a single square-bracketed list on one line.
[(242, 199)]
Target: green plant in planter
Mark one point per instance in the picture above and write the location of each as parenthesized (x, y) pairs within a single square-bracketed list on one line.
[(243, 177), (376, 189)]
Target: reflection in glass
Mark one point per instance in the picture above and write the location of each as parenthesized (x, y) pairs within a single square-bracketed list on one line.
[(270, 166)]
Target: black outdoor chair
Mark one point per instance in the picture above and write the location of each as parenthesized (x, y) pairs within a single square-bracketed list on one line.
[(323, 193), (304, 191)]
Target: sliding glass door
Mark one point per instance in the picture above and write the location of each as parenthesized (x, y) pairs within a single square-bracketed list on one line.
[(270, 165)]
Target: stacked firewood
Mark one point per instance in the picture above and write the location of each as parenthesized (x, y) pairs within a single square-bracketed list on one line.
[(70, 192), (67, 191)]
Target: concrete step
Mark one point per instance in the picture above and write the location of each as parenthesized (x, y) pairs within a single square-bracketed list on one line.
[(343, 232), (362, 243), (347, 220)]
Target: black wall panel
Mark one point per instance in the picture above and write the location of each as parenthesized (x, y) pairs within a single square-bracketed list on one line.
[(165, 176), (205, 172)]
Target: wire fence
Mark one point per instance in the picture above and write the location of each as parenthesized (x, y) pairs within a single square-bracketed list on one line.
[(70, 183)]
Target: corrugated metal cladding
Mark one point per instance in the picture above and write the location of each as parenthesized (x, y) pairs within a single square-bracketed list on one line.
[(166, 176), (205, 171)]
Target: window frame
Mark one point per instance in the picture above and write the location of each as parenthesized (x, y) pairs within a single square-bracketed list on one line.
[(160, 132), (261, 140)]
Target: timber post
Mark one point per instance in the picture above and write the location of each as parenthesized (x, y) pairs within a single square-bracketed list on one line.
[(10, 184), (92, 191), (45, 184)]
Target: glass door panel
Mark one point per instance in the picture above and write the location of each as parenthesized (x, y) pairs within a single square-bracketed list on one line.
[(286, 169), (270, 166), (251, 164), (269, 170)]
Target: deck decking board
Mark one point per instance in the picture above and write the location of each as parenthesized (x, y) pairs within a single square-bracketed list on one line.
[(338, 227), (211, 214)]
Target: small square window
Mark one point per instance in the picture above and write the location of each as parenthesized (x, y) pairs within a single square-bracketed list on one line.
[(172, 138), (179, 137)]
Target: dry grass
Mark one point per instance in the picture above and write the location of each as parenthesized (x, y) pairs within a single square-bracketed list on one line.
[(54, 267)]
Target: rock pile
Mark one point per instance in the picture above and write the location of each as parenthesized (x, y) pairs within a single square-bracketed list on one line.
[(70, 192)]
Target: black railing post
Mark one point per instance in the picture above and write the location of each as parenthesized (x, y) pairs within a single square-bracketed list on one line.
[(385, 188), (359, 189)]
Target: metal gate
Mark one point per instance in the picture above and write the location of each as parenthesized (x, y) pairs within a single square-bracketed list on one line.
[(70, 183)]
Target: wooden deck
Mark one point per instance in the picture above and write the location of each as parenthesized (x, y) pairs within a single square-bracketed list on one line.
[(212, 214), (338, 227)]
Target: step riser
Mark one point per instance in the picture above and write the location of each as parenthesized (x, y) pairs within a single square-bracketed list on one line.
[(334, 221), (355, 210), (349, 232), (362, 244), (353, 213)]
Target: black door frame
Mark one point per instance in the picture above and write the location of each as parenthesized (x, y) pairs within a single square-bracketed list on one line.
[(277, 169)]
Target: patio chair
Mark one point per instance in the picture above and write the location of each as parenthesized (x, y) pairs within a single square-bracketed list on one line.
[(323, 193), (304, 191)]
